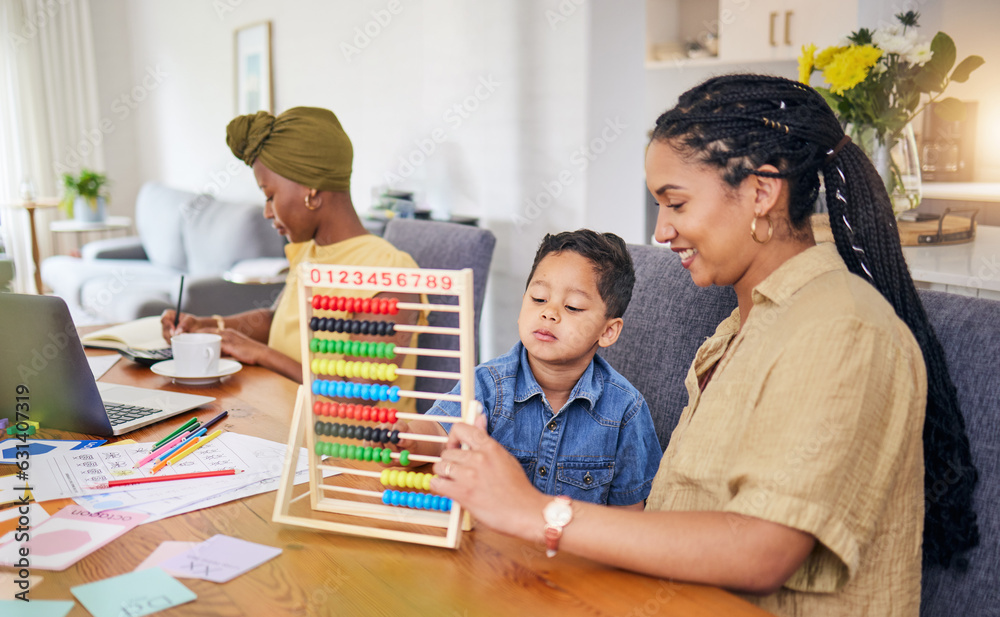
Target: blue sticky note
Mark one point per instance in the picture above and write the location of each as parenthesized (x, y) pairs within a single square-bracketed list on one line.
[(133, 594), (36, 608)]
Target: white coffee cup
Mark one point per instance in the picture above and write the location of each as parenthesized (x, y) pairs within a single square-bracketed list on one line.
[(196, 354)]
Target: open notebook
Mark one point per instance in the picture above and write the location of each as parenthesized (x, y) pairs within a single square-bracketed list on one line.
[(144, 334)]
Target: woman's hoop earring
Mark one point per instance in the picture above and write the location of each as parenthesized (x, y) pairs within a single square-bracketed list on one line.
[(310, 206), (770, 229)]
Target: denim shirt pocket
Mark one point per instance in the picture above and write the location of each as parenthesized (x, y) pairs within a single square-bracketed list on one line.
[(590, 481), (528, 464)]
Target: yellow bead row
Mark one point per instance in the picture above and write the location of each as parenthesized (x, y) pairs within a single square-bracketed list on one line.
[(352, 369), (406, 479)]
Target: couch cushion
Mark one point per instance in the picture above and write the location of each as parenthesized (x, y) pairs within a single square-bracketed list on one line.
[(217, 234), (668, 318), (969, 330), (158, 221), (66, 275)]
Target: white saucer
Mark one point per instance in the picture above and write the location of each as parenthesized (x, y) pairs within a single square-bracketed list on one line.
[(167, 369)]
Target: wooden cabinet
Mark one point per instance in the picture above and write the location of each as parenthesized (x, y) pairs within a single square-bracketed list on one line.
[(747, 30)]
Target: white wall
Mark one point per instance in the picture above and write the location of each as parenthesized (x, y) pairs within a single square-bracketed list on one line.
[(526, 59)]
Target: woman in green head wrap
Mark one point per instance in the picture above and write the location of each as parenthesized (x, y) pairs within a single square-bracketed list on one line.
[(301, 160)]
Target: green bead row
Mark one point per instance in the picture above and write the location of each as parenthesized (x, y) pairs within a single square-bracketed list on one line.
[(364, 349), (360, 453)]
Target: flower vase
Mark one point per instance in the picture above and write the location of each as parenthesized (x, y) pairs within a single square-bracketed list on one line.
[(897, 162), (85, 211)]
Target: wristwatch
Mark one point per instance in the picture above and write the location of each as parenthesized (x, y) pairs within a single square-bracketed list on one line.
[(557, 513)]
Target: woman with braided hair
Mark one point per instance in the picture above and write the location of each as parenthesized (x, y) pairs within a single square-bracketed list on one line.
[(802, 471), (302, 161)]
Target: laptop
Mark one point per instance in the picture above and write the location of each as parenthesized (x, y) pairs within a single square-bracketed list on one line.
[(44, 370)]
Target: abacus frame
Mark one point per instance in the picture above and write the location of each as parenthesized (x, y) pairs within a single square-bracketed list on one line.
[(314, 278)]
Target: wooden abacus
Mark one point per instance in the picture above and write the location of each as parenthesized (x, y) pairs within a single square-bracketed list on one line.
[(408, 515)]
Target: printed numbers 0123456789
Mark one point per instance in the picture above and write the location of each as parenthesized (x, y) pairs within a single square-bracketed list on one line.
[(384, 279)]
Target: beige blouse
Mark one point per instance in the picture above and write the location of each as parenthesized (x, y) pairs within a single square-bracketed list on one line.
[(813, 420)]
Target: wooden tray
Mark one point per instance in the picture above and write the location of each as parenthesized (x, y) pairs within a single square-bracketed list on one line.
[(946, 230)]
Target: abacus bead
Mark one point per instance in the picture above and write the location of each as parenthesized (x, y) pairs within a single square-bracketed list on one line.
[(426, 482), (316, 387), (337, 303), (368, 433), (397, 498), (319, 428), (393, 309), (390, 372), (314, 323), (319, 448), (411, 479), (392, 416), (394, 477), (384, 478), (394, 394), (391, 329), (386, 498), (364, 391), (318, 408), (314, 345), (394, 438), (386, 456), (366, 305), (366, 327), (366, 454), (324, 302), (383, 436), (383, 415), (336, 325), (404, 456), (390, 351), (383, 305)]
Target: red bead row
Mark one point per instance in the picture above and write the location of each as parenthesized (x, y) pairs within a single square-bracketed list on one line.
[(377, 306), (365, 413)]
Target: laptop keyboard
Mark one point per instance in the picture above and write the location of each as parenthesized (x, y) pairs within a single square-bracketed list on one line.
[(120, 413)]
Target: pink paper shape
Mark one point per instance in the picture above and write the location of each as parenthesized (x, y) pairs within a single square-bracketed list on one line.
[(61, 541)]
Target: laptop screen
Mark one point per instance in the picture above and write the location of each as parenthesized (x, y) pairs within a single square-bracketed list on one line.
[(44, 374)]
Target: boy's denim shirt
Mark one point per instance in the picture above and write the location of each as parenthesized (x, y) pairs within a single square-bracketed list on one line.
[(601, 447)]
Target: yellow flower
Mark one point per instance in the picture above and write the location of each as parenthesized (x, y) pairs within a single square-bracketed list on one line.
[(850, 67), (824, 57), (806, 62)]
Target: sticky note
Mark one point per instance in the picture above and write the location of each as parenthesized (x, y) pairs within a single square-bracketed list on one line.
[(220, 559), (163, 552), (69, 536), (133, 594), (36, 608)]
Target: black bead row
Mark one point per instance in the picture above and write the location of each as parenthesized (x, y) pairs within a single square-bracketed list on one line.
[(352, 326), (357, 431)]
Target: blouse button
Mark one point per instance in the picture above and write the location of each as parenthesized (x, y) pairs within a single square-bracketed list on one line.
[(588, 479), (552, 425), (542, 471)]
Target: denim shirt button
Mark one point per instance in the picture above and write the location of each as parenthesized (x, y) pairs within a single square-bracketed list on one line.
[(588, 479), (553, 426), (542, 471)]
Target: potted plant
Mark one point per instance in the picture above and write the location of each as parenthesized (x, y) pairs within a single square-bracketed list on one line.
[(85, 198)]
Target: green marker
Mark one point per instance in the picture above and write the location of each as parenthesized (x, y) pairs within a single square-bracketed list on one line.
[(183, 428)]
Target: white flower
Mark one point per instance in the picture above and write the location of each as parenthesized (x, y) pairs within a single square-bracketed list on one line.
[(892, 43), (920, 54)]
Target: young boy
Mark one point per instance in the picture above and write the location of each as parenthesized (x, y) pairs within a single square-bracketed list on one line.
[(577, 426)]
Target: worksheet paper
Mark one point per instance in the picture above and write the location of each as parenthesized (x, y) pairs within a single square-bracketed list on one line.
[(76, 473)]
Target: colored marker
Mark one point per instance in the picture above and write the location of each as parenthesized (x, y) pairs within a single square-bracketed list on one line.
[(181, 476), (177, 432), (188, 450), (158, 451)]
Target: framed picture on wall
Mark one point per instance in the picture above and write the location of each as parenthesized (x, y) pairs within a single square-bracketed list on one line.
[(253, 68)]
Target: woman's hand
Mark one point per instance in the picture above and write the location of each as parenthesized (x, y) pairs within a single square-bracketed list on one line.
[(241, 347), (187, 323), (490, 482)]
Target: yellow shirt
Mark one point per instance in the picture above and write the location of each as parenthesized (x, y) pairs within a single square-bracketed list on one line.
[(813, 420), (365, 250)]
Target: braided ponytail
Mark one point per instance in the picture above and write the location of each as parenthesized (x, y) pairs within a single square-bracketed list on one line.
[(741, 122)]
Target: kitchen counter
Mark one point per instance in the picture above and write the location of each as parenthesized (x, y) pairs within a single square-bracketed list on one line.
[(970, 269)]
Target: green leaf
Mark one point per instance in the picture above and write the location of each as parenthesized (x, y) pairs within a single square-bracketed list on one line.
[(950, 109), (965, 68), (929, 80), (830, 99), (944, 53)]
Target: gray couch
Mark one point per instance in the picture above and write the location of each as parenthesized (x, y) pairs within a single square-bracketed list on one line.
[(180, 232), (670, 317)]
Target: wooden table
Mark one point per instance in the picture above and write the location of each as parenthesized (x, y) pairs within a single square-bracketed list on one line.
[(328, 574), (31, 205)]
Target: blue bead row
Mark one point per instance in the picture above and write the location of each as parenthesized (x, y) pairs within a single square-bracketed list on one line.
[(347, 389), (419, 501)]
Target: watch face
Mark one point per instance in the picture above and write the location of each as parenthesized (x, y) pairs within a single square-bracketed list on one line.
[(558, 512)]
